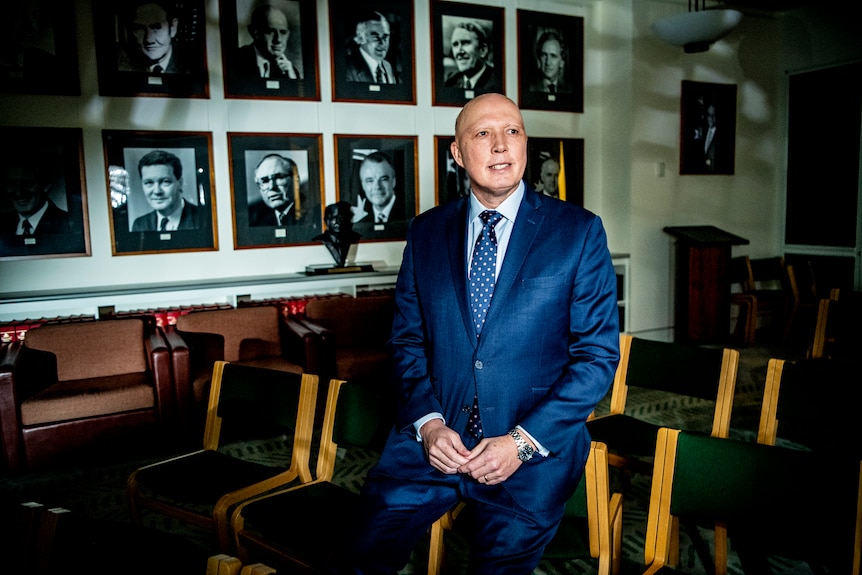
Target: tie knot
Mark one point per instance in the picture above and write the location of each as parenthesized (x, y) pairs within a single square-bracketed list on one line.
[(490, 218)]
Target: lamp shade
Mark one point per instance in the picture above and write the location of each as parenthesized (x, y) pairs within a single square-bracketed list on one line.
[(695, 31)]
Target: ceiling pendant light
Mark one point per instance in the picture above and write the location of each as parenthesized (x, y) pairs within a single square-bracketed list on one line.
[(696, 29)]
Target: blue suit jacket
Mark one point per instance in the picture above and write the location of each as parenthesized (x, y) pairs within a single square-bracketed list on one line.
[(549, 345)]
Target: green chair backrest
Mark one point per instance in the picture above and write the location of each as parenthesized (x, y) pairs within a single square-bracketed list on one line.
[(256, 402), (672, 367), (363, 417), (782, 501)]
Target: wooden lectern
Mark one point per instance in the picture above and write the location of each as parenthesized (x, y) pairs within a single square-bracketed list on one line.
[(702, 288)]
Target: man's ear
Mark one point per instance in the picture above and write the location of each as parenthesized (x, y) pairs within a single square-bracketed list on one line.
[(174, 26), (456, 153)]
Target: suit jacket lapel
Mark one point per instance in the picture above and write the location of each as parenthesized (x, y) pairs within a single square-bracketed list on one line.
[(524, 234), (456, 231)]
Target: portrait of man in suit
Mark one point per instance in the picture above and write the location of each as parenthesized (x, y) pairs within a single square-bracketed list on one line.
[(266, 55), (379, 202), (366, 55), (29, 54), (470, 53), (151, 39), (552, 57), (708, 128), (27, 187), (43, 206), (161, 174), (281, 199), (549, 178)]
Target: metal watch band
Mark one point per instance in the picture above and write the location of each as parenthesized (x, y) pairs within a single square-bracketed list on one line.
[(525, 451)]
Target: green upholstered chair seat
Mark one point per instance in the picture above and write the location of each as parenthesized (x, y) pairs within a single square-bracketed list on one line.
[(207, 475), (314, 538)]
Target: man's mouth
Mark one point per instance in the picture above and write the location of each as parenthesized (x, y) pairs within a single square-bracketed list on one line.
[(499, 166)]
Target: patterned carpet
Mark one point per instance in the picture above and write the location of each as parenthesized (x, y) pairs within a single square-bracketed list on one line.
[(95, 486)]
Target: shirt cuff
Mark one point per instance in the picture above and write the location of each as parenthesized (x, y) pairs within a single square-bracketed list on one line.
[(539, 448), (420, 422)]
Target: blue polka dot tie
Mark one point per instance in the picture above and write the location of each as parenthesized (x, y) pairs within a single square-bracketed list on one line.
[(483, 276), (483, 268)]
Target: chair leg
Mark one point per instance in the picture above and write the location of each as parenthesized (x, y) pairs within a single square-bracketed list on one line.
[(720, 547)]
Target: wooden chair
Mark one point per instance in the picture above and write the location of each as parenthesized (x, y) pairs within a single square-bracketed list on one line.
[(591, 526), (745, 303), (768, 500), (202, 487), (76, 385), (813, 405), (804, 296), (835, 328), (678, 372), (299, 529), (770, 285)]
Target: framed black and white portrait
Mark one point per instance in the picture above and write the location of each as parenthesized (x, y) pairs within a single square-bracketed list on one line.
[(452, 181), (555, 167), (550, 61), (707, 128), (161, 191), (269, 49), (40, 54), (467, 52), (378, 176), (277, 188), (43, 201), (372, 51), (151, 48)]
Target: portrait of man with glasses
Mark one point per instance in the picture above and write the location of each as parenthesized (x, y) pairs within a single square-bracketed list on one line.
[(277, 179)]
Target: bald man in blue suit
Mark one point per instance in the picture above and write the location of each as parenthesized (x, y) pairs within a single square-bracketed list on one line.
[(545, 355)]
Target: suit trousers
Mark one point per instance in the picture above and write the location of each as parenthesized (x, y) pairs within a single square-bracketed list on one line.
[(505, 538)]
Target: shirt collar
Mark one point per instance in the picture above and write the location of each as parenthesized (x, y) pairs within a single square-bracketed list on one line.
[(35, 217), (509, 207), (372, 62), (173, 217)]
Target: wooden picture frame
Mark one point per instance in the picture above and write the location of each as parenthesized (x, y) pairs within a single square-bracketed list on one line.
[(245, 25), (40, 49), (561, 156), (400, 152), (550, 61), (136, 218), (452, 181), (123, 67), (481, 39), (45, 167), (705, 151), (352, 77), (257, 193)]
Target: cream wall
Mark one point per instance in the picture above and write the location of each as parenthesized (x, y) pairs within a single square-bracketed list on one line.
[(630, 126)]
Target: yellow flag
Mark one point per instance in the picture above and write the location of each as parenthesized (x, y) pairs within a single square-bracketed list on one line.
[(561, 185)]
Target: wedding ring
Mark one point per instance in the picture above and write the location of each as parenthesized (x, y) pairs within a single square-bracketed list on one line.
[(486, 478)]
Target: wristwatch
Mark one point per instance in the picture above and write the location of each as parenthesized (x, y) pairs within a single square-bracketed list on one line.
[(525, 450)]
